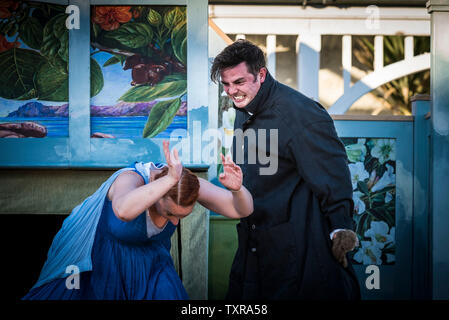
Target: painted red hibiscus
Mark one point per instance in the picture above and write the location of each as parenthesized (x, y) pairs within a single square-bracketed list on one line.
[(6, 45), (110, 17)]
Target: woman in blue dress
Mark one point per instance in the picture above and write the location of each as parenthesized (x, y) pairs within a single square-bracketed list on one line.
[(116, 244)]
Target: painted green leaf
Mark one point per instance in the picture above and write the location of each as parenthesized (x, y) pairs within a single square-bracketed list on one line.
[(160, 117), (52, 83), (111, 61), (381, 214), (17, 69), (363, 224), (96, 78), (154, 18), (59, 26), (179, 42), (29, 95), (173, 18), (31, 33), (169, 87), (50, 43), (63, 51), (361, 185), (175, 77), (182, 56), (95, 30), (132, 35)]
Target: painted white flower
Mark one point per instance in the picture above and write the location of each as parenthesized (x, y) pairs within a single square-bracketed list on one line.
[(368, 253), (384, 150), (388, 197), (356, 152), (359, 204), (227, 130), (388, 178), (358, 173), (228, 117), (379, 234)]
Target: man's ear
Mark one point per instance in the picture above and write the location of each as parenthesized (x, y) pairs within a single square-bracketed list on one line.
[(262, 74)]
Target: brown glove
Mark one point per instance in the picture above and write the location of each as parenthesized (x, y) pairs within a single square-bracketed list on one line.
[(343, 242)]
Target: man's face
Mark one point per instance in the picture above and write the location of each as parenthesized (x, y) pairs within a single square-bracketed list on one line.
[(241, 85)]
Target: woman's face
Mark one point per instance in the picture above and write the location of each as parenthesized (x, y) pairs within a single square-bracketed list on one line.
[(168, 209)]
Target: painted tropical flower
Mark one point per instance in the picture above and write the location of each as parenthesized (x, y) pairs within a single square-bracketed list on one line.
[(227, 130), (368, 253), (358, 173), (388, 197), (388, 178), (229, 118), (379, 234), (359, 204), (5, 45), (384, 150), (356, 152), (6, 6), (110, 17)]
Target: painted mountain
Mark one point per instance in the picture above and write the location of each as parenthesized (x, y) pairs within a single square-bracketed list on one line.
[(37, 109)]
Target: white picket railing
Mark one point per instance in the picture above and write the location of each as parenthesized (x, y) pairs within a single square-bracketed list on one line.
[(309, 24)]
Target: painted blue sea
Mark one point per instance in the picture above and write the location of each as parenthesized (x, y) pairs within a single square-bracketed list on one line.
[(119, 127)]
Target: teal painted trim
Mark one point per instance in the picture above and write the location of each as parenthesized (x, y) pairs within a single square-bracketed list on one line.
[(79, 86), (37, 152), (439, 46), (421, 202), (395, 280)]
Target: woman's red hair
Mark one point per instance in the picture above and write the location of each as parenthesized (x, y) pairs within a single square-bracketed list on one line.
[(185, 192)]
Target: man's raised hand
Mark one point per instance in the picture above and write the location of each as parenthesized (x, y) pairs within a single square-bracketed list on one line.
[(232, 176)]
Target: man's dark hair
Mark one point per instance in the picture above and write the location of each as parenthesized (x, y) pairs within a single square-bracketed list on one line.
[(236, 53)]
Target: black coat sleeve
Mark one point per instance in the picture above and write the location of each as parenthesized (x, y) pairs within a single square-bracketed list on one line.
[(322, 162)]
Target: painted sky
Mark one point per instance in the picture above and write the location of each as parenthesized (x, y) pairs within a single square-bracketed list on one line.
[(116, 81)]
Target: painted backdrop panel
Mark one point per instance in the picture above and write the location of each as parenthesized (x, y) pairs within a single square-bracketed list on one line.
[(139, 60), (33, 70)]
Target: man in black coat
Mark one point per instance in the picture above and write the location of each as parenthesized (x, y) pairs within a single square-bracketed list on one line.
[(294, 245)]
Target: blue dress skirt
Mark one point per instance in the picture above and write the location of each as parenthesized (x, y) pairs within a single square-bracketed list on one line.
[(126, 265)]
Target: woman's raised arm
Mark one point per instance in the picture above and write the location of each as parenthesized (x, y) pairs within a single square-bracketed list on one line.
[(130, 195)]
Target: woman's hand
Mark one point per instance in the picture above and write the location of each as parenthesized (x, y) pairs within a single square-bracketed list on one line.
[(173, 162), (232, 176)]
